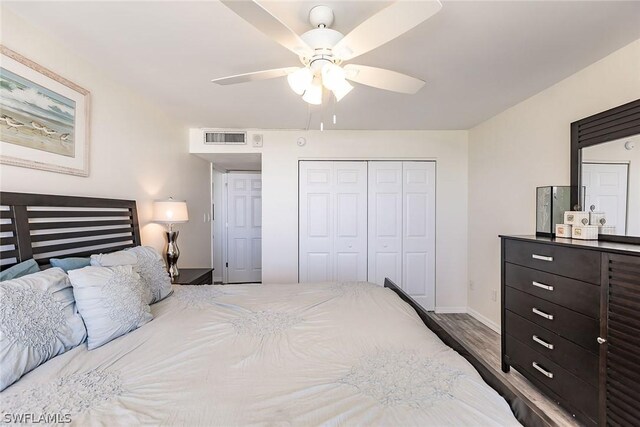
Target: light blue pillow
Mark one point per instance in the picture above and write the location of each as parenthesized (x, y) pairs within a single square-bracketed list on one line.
[(71, 263), (29, 266), (113, 301), (38, 321)]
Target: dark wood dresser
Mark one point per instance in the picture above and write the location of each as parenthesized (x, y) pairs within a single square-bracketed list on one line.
[(571, 323)]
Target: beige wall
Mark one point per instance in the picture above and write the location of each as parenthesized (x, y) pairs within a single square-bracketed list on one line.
[(280, 156), (137, 151), (527, 146)]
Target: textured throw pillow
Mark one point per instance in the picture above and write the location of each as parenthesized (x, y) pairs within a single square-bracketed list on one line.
[(71, 263), (113, 301), (151, 267), (38, 321), (29, 266)]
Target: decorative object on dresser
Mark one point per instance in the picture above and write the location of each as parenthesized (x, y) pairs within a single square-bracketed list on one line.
[(607, 171), (194, 276), (44, 118), (171, 212), (571, 323), (551, 203)]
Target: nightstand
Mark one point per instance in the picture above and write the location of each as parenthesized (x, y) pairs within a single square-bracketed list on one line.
[(194, 276)]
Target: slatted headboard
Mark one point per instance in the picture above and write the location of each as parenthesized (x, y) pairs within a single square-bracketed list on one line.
[(44, 226)]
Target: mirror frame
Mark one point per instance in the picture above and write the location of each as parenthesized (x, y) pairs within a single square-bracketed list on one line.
[(610, 125)]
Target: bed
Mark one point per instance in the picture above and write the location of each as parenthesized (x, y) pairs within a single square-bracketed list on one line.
[(312, 354)]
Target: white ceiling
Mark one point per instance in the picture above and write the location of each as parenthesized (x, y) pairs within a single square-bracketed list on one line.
[(478, 58)]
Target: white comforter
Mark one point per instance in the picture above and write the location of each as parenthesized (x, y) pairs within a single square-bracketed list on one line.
[(275, 355)]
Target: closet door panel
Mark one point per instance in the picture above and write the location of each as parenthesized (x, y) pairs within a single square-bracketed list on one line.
[(316, 225), (418, 240), (385, 222), (350, 221)]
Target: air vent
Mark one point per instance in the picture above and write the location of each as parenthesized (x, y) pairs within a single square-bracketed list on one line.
[(222, 138)]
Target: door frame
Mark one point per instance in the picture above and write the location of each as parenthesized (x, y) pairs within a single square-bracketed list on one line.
[(225, 221)]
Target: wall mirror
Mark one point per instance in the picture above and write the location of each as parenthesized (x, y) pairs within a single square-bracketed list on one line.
[(605, 166)]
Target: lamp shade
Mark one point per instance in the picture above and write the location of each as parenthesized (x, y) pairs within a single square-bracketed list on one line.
[(170, 211)]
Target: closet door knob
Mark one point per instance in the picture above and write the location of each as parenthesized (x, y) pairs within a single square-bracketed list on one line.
[(350, 246), (601, 340)]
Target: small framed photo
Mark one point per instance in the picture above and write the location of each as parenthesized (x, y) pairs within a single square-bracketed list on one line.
[(44, 118)]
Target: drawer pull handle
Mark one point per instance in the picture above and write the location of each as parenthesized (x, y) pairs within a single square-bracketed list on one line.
[(542, 342), (542, 257), (542, 370), (542, 286), (542, 313)]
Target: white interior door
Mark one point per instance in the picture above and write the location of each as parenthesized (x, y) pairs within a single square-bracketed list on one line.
[(350, 221), (418, 239), (244, 227), (333, 221), (316, 222), (606, 188), (385, 222)]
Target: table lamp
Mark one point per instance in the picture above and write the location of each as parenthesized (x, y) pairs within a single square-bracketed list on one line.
[(171, 212)]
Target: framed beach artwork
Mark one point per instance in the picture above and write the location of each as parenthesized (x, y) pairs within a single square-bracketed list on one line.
[(44, 118)]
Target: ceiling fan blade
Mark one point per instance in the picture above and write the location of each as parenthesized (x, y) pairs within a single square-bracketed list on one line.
[(257, 75), (384, 26), (263, 20), (383, 79)]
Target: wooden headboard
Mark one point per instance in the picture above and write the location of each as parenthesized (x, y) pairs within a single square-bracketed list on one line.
[(44, 226)]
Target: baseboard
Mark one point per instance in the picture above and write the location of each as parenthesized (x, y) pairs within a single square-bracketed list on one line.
[(449, 310), (217, 279), (484, 320)]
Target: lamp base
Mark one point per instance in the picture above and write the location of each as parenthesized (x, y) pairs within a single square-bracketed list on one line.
[(173, 253)]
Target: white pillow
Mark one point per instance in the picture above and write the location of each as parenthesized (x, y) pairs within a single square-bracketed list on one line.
[(38, 321), (114, 258), (113, 301), (153, 272), (147, 262)]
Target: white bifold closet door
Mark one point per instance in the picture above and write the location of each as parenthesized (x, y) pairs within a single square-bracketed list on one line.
[(385, 222), (244, 229), (333, 221), (401, 236)]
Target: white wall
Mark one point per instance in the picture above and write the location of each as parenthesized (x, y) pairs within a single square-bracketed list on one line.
[(137, 151), (527, 146), (280, 156)]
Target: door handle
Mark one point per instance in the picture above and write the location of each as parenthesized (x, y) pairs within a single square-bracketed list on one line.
[(542, 286), (542, 257), (601, 340), (542, 370), (542, 342), (542, 314)]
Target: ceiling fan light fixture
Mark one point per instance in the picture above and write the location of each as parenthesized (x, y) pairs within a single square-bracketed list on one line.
[(333, 76), (300, 80), (313, 94), (342, 90)]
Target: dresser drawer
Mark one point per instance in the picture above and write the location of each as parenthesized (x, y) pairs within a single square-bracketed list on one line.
[(569, 324), (579, 296), (576, 392), (580, 264), (580, 362)]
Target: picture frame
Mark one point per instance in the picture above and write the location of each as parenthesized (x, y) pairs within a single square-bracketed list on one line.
[(44, 118)]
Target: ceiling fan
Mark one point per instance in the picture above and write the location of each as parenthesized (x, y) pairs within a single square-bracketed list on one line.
[(323, 50)]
